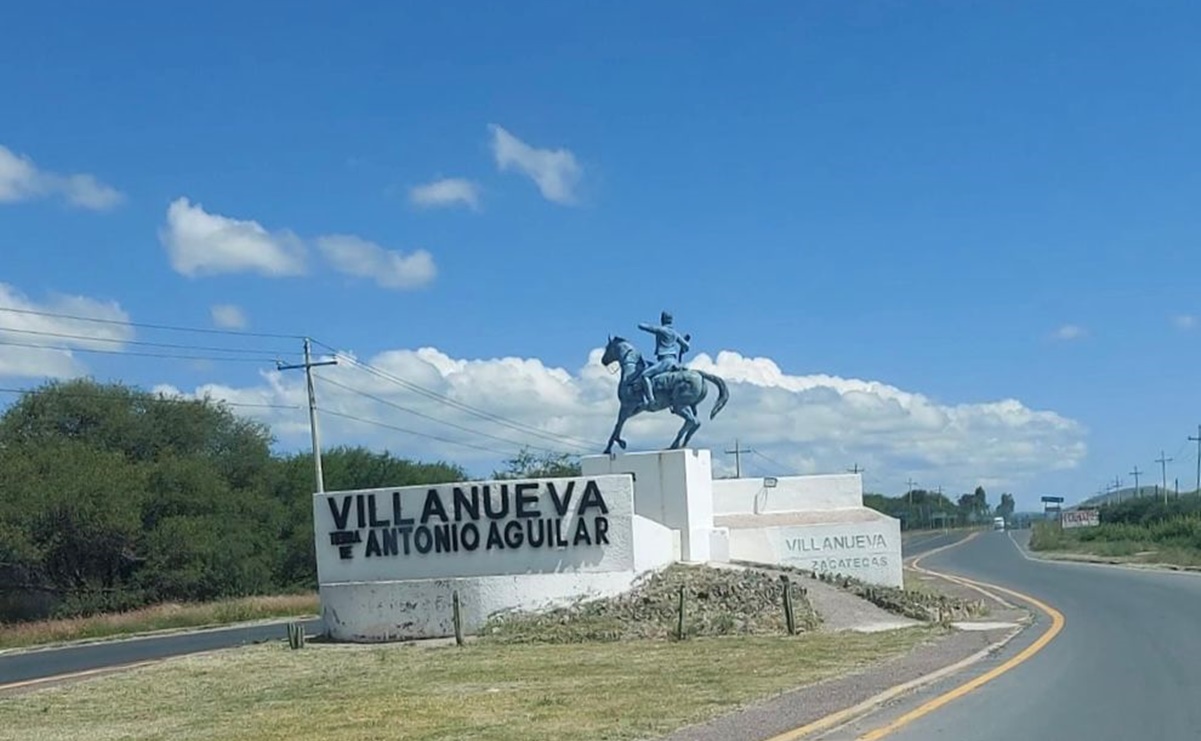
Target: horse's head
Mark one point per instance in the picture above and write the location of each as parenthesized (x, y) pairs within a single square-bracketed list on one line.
[(615, 350), (612, 351)]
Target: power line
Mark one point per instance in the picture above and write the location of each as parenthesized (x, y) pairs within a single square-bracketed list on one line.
[(308, 366), (1198, 439), (144, 325), (134, 353), (416, 433), (780, 466), (394, 405), (142, 343), (520, 427), (737, 453), (1163, 465), (167, 399)]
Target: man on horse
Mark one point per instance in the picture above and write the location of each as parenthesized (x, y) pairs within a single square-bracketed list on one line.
[(670, 347)]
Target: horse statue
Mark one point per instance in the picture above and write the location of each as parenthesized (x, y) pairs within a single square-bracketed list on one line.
[(679, 389)]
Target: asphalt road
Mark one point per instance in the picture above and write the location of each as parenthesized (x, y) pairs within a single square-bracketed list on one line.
[(913, 544), (1127, 664), (22, 666)]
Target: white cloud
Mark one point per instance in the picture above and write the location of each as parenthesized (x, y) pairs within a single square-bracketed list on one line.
[(38, 346), (808, 424), (22, 180), (201, 244), (446, 192), (228, 316), (556, 172), (1185, 321), (388, 268), (1068, 332)]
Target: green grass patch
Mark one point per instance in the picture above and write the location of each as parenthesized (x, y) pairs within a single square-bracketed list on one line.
[(1175, 540), (157, 617), (485, 690)]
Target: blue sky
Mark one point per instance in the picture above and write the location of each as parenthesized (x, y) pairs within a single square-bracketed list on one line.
[(917, 194)]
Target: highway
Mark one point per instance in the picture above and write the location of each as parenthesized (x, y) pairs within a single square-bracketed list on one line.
[(1126, 664), (22, 666)]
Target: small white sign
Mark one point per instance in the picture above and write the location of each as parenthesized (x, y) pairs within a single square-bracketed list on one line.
[(1080, 518)]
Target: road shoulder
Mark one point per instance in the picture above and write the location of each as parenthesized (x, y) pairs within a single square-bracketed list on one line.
[(844, 699)]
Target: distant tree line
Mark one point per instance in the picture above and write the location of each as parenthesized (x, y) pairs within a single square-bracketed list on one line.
[(920, 508), (113, 498)]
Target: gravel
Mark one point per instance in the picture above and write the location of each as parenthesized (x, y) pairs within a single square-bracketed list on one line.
[(717, 601)]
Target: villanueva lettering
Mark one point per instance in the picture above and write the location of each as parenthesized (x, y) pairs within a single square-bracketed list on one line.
[(470, 518), (836, 543)]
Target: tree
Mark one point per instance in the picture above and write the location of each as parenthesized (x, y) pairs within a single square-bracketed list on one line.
[(1006, 507), (528, 465), (981, 501)]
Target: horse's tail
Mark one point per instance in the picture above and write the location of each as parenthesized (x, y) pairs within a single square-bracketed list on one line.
[(723, 393)]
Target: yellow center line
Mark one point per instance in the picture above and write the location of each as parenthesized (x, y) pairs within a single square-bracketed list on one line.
[(842, 716), (1057, 623)]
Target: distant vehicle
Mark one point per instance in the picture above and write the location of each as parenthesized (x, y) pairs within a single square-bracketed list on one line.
[(998, 523)]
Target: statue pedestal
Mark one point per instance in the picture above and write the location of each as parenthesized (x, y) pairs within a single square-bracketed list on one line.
[(673, 488)]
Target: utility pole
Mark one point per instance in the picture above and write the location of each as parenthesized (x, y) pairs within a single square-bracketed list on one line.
[(1198, 441), (856, 469), (1163, 466), (1135, 474), (910, 484), (308, 366), (737, 453)]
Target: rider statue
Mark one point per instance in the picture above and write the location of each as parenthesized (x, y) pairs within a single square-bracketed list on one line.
[(670, 347)]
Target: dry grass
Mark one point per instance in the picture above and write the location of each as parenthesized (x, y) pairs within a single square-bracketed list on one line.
[(157, 617), (486, 690)]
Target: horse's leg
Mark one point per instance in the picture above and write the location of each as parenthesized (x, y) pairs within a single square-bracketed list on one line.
[(622, 415), (679, 412), (690, 423)]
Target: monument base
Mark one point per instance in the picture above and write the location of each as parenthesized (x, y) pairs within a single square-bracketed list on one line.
[(816, 523), (671, 487), (383, 611)]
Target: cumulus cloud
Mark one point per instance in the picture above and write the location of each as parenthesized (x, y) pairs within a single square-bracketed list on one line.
[(555, 172), (34, 345), (22, 180), (388, 268), (228, 316), (1068, 332), (798, 424), (446, 192), (202, 244), (1184, 321)]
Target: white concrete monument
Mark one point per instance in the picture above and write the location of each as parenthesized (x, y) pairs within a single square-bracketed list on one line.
[(816, 523), (389, 560)]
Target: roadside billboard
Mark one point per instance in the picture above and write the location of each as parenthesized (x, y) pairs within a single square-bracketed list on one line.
[(1080, 518)]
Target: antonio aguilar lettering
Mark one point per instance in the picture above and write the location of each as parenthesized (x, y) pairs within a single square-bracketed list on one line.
[(474, 520)]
